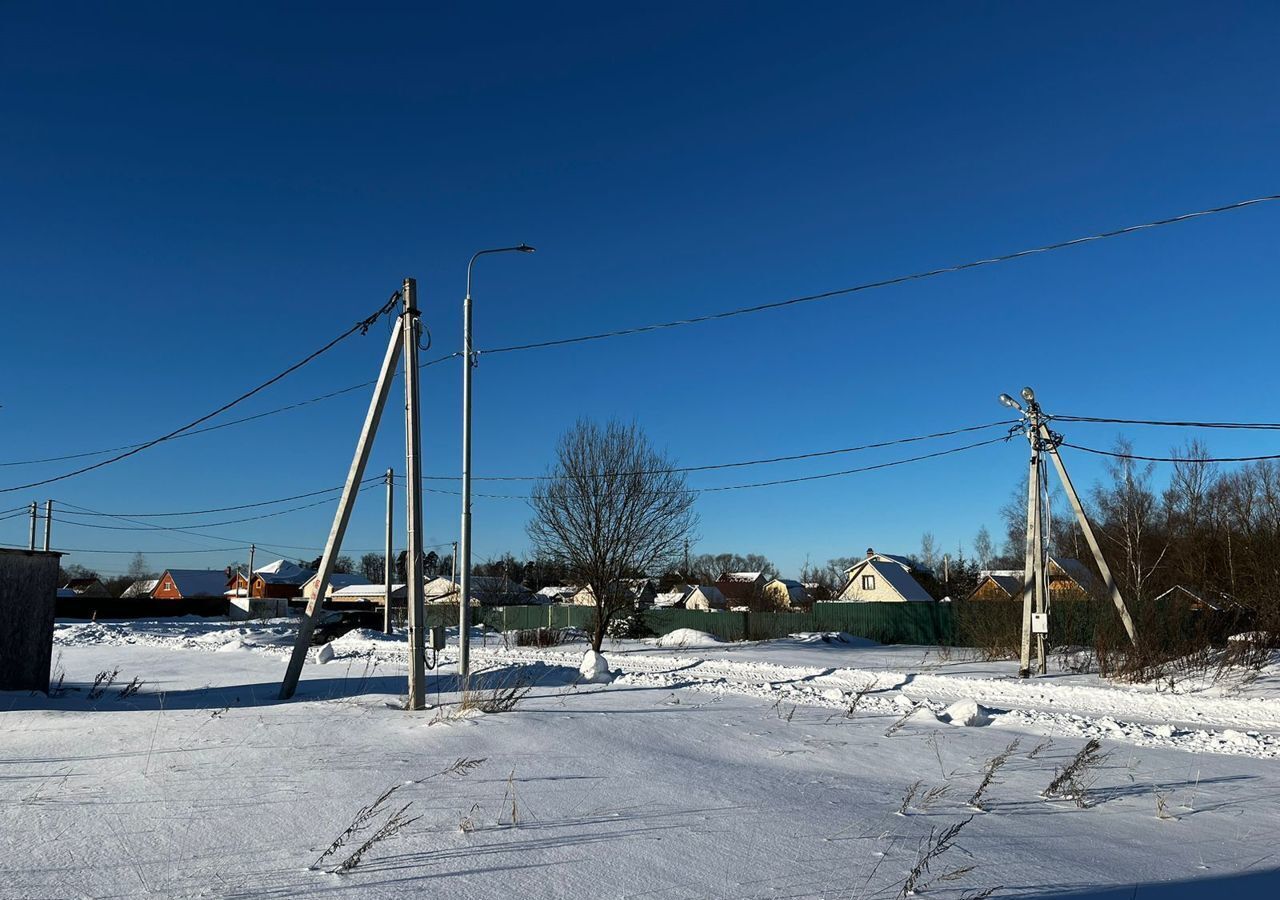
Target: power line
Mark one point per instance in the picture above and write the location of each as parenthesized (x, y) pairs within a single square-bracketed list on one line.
[(808, 298), (1171, 459), (362, 326), (144, 552), (1257, 426), (795, 480), (153, 527), (901, 279), (218, 509), (816, 454)]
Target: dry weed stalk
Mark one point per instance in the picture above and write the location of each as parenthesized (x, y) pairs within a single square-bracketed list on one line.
[(101, 683), (994, 765), (933, 847), (395, 822), (1072, 782)]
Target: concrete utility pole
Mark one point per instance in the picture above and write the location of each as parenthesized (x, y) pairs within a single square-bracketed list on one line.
[(31, 543), (48, 523), (248, 581), (468, 363), (1035, 589), (355, 477), (413, 497), (387, 565)]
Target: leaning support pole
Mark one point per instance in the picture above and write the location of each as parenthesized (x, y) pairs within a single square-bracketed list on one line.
[(1029, 568), (413, 498), (1107, 578), (307, 624)]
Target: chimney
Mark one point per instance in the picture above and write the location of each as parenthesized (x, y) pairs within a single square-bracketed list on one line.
[(870, 553)]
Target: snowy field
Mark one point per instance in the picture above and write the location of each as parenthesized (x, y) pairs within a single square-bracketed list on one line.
[(808, 767)]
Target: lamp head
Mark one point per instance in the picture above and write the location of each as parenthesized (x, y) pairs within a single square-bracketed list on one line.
[(1010, 402), (1028, 395), (525, 248)]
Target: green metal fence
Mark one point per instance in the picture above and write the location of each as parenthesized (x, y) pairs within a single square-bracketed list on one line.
[(987, 624), (888, 623)]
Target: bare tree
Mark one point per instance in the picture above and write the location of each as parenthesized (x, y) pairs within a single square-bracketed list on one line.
[(610, 508), (929, 551), (372, 567), (983, 548), (138, 569)]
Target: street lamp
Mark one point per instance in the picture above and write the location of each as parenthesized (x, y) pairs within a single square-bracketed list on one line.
[(1010, 402), (464, 543)]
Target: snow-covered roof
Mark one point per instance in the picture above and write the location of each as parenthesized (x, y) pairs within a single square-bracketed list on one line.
[(671, 599), (713, 594), (903, 561), (280, 567), (199, 582), (364, 589), (897, 578), (741, 576), (140, 588), (486, 586), (64, 593), (555, 593)]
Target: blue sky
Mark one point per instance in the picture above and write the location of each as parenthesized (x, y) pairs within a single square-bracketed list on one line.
[(191, 198)]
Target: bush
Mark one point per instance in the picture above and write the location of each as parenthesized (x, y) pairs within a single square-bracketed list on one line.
[(628, 628)]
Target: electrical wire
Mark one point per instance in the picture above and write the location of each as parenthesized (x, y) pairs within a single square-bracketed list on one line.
[(1257, 426), (795, 480), (808, 298), (816, 454), (218, 509), (362, 326), (901, 279), (152, 527), (1171, 459)]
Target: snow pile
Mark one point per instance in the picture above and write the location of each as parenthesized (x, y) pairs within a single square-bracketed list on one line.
[(688, 637), (832, 637), (966, 713), (594, 669)]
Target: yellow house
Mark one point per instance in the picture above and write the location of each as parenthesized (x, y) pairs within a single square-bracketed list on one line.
[(882, 578), (784, 593)]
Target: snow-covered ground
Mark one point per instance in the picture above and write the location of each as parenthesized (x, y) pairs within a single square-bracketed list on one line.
[(703, 769)]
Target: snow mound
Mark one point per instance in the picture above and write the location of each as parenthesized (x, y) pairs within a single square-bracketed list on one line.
[(236, 644), (1251, 637), (833, 637), (966, 713), (594, 669), (688, 637)]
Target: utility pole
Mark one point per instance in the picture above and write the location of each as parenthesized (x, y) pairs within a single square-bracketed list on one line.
[(248, 582), (413, 497), (386, 566), (1035, 583), (355, 477), (48, 523), (31, 544)]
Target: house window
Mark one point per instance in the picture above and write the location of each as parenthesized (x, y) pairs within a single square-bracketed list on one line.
[(868, 582)]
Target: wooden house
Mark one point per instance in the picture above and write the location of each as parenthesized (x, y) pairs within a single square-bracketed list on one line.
[(741, 588), (191, 584), (1068, 580)]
